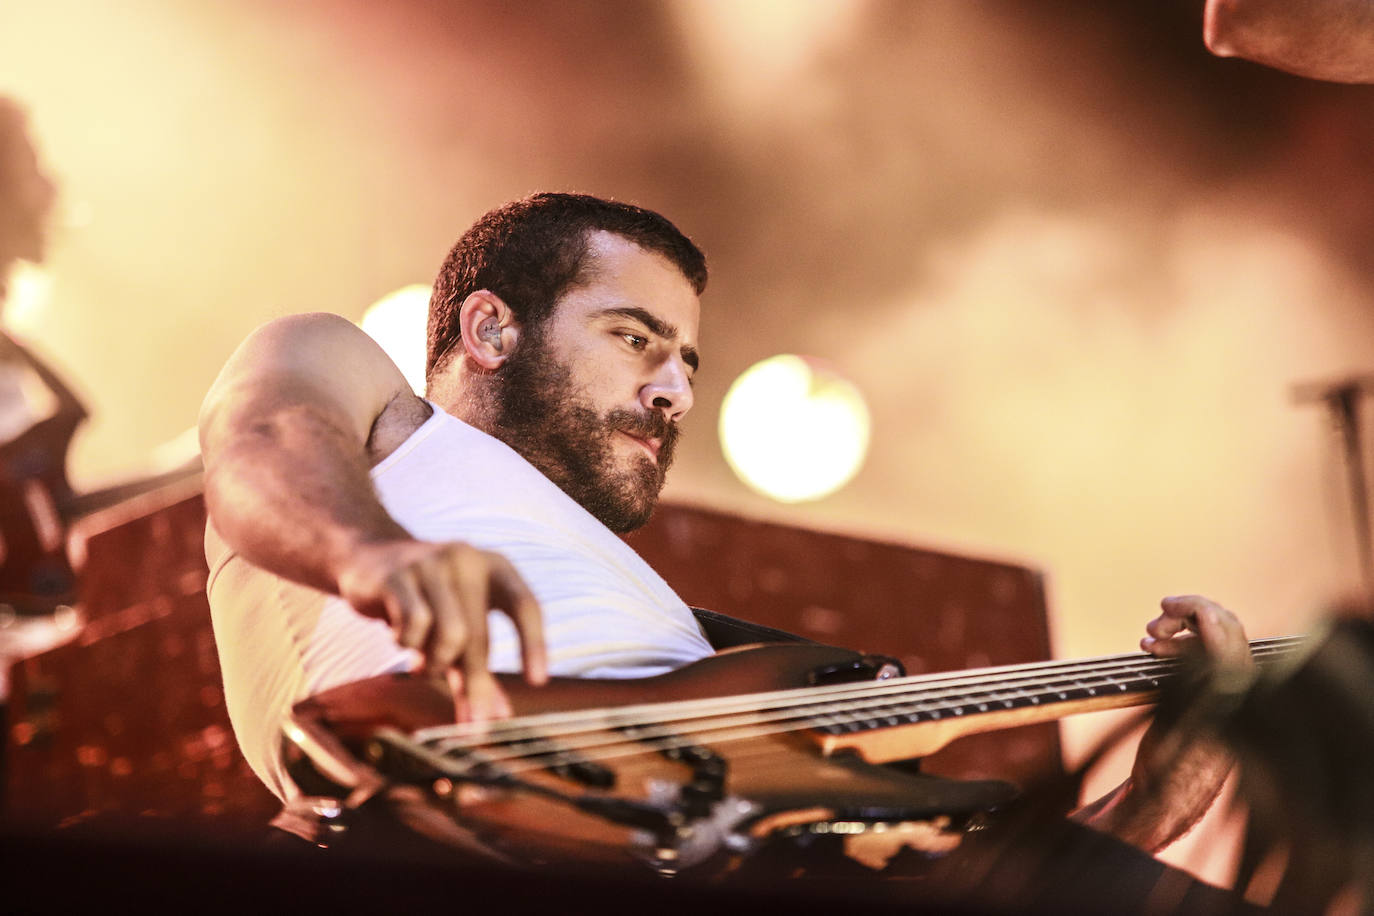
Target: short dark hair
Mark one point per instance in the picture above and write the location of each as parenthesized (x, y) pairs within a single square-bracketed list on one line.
[(532, 251)]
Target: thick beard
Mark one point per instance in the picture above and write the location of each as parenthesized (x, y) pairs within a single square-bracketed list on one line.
[(539, 415)]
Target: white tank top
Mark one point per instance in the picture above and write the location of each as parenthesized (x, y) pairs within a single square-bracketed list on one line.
[(606, 612)]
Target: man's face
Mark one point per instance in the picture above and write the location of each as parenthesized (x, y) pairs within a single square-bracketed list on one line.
[(593, 396)]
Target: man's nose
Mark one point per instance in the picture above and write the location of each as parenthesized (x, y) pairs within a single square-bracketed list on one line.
[(670, 390)]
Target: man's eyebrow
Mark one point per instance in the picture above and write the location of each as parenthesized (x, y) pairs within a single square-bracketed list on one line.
[(657, 326)]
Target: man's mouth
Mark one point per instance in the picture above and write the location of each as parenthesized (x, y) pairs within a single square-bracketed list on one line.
[(650, 444)]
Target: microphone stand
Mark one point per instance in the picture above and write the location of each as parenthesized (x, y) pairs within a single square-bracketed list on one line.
[(1342, 400)]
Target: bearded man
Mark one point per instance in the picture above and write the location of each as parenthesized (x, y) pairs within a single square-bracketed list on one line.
[(357, 529)]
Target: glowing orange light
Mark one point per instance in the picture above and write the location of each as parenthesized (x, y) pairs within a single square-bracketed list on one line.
[(794, 429), (397, 322)]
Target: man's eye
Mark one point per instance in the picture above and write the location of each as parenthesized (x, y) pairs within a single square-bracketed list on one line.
[(637, 341)]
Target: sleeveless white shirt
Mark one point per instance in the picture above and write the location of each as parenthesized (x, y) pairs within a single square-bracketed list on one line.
[(606, 612)]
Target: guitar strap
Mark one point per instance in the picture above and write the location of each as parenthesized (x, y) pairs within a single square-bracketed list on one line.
[(725, 632)]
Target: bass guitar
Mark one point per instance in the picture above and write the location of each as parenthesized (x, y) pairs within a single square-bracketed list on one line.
[(703, 763)]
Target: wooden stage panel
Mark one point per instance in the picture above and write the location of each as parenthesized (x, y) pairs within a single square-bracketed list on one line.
[(128, 719)]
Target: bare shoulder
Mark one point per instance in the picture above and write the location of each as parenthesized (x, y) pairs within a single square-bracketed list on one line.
[(307, 341), (316, 360)]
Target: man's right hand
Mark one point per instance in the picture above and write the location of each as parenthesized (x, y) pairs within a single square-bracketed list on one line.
[(436, 596)]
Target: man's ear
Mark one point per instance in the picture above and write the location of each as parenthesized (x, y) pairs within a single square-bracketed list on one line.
[(488, 329)]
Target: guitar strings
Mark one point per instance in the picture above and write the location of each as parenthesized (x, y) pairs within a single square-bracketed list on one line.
[(928, 687), (660, 712), (531, 739), (813, 713), (714, 731)]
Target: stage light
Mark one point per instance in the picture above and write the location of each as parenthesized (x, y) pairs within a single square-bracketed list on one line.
[(30, 290), (397, 322), (793, 428)]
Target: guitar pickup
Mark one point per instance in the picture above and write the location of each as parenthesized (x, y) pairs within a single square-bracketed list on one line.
[(708, 777), (585, 772), (560, 761)]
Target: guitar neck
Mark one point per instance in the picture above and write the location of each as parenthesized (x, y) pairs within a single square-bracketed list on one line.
[(894, 719), (915, 716)]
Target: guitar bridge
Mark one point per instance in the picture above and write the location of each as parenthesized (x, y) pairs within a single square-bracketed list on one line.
[(692, 841)]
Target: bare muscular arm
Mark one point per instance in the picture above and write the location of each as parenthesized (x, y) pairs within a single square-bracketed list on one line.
[(286, 448), (1322, 39), (289, 432)]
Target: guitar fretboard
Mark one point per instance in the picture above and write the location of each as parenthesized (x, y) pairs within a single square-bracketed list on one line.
[(909, 701), (844, 714)]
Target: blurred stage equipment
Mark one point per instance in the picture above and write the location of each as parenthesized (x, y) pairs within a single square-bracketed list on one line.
[(793, 428), (1342, 399), (35, 574)]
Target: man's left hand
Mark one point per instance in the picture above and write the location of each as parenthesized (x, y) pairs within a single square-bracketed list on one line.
[(1177, 774)]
